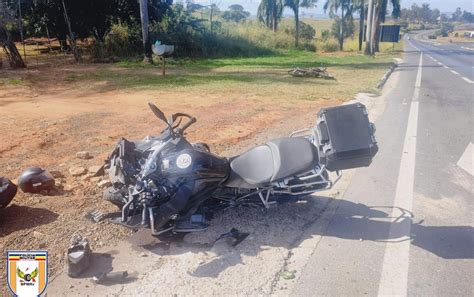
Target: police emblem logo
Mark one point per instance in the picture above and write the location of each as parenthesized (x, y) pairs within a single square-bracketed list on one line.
[(27, 272)]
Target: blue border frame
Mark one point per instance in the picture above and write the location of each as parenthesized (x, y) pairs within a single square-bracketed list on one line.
[(28, 252)]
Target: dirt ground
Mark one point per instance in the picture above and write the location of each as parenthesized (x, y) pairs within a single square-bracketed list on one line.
[(47, 121)]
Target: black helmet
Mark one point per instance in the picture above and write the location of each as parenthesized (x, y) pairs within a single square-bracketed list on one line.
[(7, 191), (35, 179)]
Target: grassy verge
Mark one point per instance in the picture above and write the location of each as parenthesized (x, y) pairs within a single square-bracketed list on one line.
[(261, 76)]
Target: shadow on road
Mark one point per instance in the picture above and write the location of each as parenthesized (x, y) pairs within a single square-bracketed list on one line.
[(284, 226), (358, 221)]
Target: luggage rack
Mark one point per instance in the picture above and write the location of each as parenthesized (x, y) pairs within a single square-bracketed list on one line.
[(307, 186)]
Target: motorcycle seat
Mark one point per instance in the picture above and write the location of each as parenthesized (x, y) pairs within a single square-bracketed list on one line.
[(274, 161)]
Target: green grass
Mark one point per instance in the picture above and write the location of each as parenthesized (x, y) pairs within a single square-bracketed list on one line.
[(11, 81), (282, 60), (261, 77)]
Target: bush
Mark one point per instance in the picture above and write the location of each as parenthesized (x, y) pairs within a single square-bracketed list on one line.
[(348, 28), (416, 27), (446, 28), (325, 35), (307, 32), (192, 37), (121, 41), (330, 45)]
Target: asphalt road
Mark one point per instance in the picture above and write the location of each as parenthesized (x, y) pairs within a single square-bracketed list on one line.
[(405, 224)]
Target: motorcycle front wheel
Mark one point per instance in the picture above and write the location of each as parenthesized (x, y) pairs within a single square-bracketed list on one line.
[(115, 196)]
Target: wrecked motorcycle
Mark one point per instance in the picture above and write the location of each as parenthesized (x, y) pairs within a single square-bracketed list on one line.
[(166, 183)]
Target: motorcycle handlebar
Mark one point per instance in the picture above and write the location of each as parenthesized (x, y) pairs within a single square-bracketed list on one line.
[(191, 121)]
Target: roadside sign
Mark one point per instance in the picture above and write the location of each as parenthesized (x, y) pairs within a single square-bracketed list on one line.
[(389, 33)]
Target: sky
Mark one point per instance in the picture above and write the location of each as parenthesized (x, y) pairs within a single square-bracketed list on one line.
[(251, 5)]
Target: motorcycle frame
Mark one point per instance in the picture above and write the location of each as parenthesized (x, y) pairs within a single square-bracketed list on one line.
[(283, 187)]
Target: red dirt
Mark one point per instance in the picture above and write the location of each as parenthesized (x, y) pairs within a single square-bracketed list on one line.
[(45, 122)]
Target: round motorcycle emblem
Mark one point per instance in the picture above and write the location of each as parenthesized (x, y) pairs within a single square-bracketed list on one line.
[(184, 161)]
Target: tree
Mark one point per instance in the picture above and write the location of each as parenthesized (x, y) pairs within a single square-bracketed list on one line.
[(369, 50), (359, 6), (236, 13), (7, 22), (295, 6), (379, 18), (145, 31), (307, 31), (377, 13), (421, 14), (270, 12), (425, 13), (346, 7), (88, 18), (457, 14), (468, 17), (236, 7)]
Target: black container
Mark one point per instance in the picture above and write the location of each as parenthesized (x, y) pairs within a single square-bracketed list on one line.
[(346, 137)]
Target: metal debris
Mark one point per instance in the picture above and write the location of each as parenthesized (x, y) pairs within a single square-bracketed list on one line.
[(79, 256), (315, 72), (235, 235), (112, 277), (95, 216)]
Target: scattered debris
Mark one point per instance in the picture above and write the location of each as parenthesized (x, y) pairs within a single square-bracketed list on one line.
[(95, 216), (112, 277), (315, 72), (236, 236), (288, 274), (78, 256), (77, 171), (104, 183), (83, 155)]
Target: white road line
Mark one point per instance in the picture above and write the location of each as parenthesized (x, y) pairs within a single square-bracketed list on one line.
[(466, 160), (439, 63), (468, 48), (454, 72), (394, 277), (445, 66), (416, 94), (468, 80)]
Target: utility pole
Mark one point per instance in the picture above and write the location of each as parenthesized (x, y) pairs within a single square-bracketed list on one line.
[(20, 23), (72, 39), (148, 59), (375, 23), (368, 32)]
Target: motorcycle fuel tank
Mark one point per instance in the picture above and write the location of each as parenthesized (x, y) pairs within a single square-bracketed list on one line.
[(191, 162)]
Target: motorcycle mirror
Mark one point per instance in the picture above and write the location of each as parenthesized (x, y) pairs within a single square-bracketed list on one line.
[(158, 113)]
